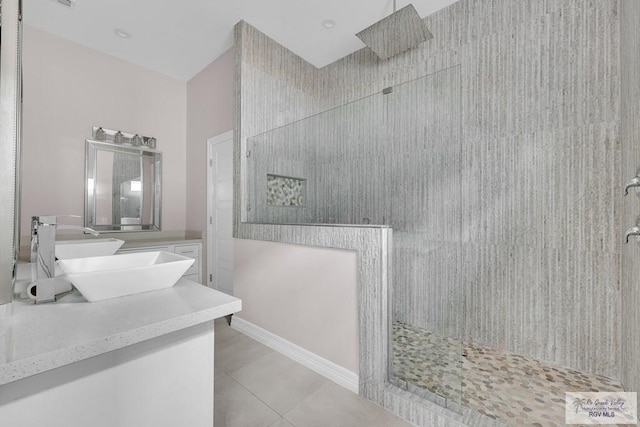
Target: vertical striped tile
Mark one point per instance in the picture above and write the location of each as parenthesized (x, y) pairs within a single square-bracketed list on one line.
[(629, 211)]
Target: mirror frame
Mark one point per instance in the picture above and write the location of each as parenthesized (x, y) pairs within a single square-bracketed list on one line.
[(91, 149), (10, 147)]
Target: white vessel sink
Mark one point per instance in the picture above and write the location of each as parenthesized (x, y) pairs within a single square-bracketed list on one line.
[(69, 249), (99, 278)]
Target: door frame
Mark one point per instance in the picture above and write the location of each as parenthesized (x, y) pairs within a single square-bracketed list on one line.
[(211, 204)]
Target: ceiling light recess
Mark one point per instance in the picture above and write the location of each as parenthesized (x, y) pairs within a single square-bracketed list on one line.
[(328, 24), (121, 33)]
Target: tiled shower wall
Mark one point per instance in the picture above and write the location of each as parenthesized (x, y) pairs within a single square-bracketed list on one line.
[(537, 270), (630, 212)]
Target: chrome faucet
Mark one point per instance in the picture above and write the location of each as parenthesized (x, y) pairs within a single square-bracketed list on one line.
[(43, 253)]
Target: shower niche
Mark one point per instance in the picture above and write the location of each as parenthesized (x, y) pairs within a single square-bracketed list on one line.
[(393, 158), (285, 191)]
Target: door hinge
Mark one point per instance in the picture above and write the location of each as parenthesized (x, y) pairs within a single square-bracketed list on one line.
[(210, 220), (211, 277), (211, 162), (248, 153)]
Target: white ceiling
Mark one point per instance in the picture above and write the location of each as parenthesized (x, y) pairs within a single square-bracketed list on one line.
[(181, 37)]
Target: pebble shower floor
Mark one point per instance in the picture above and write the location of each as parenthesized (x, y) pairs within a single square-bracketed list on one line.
[(510, 388)]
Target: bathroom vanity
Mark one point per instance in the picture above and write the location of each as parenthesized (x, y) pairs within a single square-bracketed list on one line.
[(140, 360)]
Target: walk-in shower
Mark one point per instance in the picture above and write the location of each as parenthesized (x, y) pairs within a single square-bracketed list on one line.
[(494, 152)]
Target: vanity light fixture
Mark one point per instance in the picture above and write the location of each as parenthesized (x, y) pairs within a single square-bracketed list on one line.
[(121, 33), (328, 24)]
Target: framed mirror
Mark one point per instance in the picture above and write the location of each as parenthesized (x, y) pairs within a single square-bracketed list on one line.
[(123, 188)]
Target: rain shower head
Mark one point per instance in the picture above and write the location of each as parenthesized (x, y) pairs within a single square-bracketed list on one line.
[(400, 31)]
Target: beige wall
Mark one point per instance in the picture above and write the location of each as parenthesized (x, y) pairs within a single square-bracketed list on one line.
[(303, 294), (70, 88), (209, 113)]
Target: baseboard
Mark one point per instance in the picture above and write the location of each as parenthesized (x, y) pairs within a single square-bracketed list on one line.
[(322, 366)]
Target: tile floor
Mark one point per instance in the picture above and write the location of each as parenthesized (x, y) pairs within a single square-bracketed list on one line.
[(513, 389), (258, 387)]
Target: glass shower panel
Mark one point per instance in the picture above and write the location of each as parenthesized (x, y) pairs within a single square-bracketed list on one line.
[(325, 169), (423, 184)]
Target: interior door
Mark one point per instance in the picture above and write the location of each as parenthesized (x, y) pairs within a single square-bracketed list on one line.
[(220, 208)]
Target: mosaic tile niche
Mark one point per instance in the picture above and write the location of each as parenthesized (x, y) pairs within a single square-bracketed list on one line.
[(285, 191)]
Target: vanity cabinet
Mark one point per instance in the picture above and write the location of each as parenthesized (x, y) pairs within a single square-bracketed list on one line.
[(190, 249), (137, 361)]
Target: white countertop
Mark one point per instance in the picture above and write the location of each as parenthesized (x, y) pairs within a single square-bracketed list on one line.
[(37, 338)]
